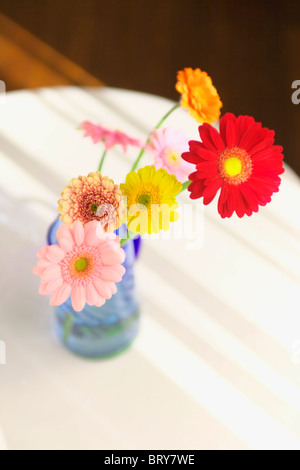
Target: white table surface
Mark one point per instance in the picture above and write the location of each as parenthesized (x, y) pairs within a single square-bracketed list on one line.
[(217, 362)]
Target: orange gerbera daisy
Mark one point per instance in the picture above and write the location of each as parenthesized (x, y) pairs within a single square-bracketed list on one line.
[(92, 197), (199, 95)]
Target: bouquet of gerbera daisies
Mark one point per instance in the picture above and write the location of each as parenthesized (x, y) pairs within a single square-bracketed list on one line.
[(240, 161)]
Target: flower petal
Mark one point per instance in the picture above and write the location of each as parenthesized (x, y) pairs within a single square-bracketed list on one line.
[(55, 283), (41, 253), (114, 256), (211, 138), (66, 244), (100, 301), (93, 233), (78, 298), (51, 272), (38, 270), (102, 288), (44, 290), (61, 295), (65, 238), (93, 227), (92, 296), (78, 233), (227, 129), (55, 253), (113, 273), (112, 286)]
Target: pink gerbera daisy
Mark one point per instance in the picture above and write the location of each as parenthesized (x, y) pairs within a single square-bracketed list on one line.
[(85, 265), (110, 137), (241, 161), (166, 145)]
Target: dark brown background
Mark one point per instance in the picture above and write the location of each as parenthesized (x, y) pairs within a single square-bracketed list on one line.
[(250, 48)]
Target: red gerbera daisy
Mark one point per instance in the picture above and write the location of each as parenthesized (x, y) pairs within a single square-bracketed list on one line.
[(241, 160)]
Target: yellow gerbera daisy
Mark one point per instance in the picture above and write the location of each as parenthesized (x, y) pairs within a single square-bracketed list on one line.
[(151, 201)]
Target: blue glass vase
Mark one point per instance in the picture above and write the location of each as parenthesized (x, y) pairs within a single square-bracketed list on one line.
[(99, 332)]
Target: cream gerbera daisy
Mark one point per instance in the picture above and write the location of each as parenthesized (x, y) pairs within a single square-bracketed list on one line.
[(92, 197)]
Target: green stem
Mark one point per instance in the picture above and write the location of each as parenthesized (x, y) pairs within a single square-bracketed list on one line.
[(67, 326), (102, 160), (135, 165), (129, 236), (184, 186)]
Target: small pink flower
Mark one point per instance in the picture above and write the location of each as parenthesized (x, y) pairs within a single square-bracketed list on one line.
[(167, 145), (85, 265), (109, 137)]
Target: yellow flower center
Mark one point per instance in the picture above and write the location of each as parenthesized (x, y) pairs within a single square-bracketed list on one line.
[(144, 199), (173, 158), (235, 165), (81, 264)]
